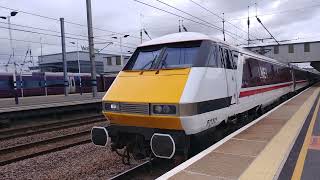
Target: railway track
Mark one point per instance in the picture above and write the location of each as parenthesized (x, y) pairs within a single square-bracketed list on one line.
[(48, 127), (33, 149)]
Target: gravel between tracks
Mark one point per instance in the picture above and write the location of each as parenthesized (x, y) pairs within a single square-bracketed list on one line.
[(47, 135), (79, 162)]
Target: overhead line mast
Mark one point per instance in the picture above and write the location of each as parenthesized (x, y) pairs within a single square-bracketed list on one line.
[(204, 23), (248, 23), (224, 35), (215, 14)]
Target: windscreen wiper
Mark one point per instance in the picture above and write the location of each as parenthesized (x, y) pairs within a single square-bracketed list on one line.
[(152, 62), (164, 61)]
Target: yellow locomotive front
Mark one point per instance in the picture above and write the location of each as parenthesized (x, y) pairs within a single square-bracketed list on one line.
[(142, 105)]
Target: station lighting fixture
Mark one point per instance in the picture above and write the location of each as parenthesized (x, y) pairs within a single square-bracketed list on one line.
[(13, 13)]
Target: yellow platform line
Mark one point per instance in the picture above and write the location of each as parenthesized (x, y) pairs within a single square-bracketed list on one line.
[(270, 161), (303, 153)]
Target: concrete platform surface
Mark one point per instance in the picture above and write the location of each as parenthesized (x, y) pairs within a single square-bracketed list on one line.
[(260, 149)]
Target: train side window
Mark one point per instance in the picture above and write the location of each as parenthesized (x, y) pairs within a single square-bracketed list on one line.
[(270, 73), (235, 56), (227, 59), (214, 61), (4, 84), (263, 72), (255, 70), (288, 74), (246, 74), (221, 58)]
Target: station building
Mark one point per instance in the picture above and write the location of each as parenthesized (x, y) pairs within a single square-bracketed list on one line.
[(295, 52), (104, 62)]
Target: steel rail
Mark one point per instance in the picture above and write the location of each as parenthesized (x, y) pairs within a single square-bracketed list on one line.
[(48, 127), (33, 149)]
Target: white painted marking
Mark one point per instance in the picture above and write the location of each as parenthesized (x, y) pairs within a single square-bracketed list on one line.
[(202, 154), (242, 155), (249, 140), (202, 174)]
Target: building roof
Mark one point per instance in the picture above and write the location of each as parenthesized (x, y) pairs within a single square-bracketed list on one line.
[(71, 52), (282, 44)]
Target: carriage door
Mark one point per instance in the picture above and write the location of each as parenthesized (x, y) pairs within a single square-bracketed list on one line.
[(72, 84), (230, 69)]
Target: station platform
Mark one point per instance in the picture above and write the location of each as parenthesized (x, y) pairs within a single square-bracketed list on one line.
[(39, 102), (282, 144)]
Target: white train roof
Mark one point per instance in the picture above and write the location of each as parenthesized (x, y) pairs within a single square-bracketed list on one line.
[(194, 36), (176, 37)]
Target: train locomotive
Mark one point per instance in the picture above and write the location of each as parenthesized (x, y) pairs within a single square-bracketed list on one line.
[(180, 86)]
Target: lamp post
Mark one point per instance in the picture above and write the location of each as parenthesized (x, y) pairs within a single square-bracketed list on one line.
[(12, 13), (120, 39), (78, 60)]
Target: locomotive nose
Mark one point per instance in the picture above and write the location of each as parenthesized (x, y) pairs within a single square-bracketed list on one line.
[(99, 136)]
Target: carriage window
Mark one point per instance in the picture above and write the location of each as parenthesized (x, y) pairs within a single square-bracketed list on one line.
[(31, 84), (267, 72), (251, 73), (4, 84), (246, 75), (55, 83), (255, 69)]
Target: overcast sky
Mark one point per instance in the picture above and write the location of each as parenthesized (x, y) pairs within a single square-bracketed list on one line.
[(294, 19)]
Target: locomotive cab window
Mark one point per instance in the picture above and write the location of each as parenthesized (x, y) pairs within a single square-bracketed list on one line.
[(222, 58), (234, 56), (165, 56), (226, 58), (213, 58)]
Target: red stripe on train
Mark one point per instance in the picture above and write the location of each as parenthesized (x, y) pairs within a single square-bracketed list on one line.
[(262, 90)]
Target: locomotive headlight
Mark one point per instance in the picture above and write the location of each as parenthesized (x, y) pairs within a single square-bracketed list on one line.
[(110, 106), (164, 109), (114, 106)]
